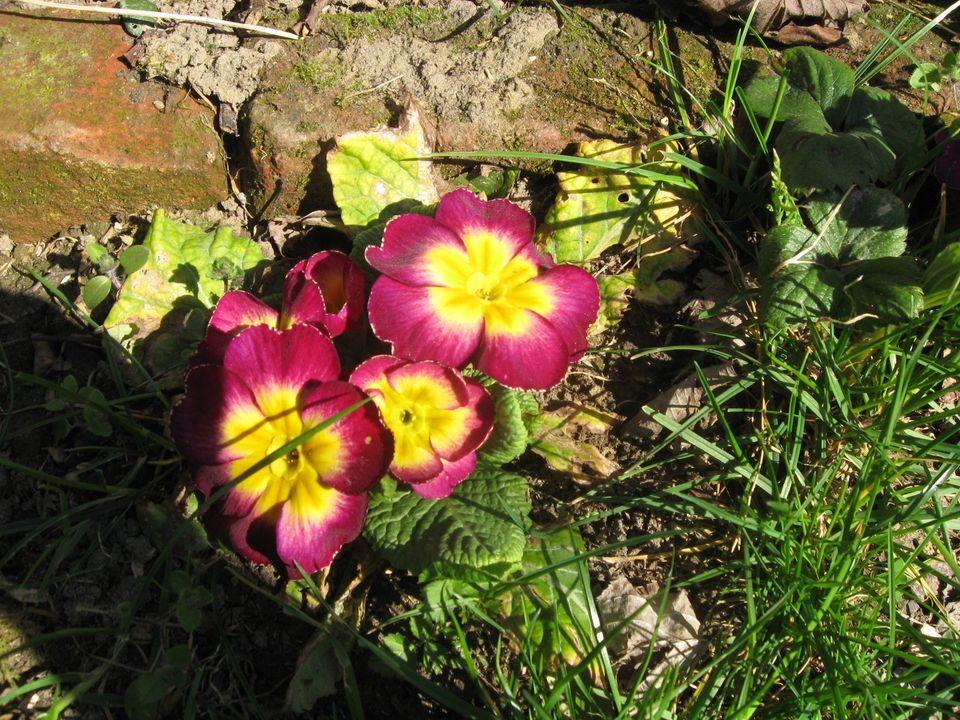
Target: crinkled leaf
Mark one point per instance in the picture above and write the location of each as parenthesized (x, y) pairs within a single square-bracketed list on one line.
[(96, 290), (496, 183), (941, 280), (550, 614), (814, 160), (848, 267), (183, 273), (794, 292), (598, 208), (316, 675), (886, 287), (509, 437), (615, 292), (827, 80), (480, 524), (557, 436), (871, 223), (878, 113), (761, 95), (372, 171)]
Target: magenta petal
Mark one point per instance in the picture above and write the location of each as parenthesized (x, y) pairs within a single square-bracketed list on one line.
[(404, 316), (576, 303), (407, 240), (439, 375), (236, 311), (370, 371), (465, 213), (268, 358), (481, 420), (535, 360), (328, 288), (453, 474), (366, 446), (312, 540), (196, 421)]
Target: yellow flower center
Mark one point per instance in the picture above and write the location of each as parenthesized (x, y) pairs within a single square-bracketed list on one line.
[(486, 283), (256, 432)]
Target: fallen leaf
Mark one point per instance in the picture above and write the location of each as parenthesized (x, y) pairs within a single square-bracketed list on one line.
[(638, 620), (680, 401), (555, 436), (789, 21)]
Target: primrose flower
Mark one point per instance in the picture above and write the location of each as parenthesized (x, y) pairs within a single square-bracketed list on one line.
[(469, 285), (271, 387), (325, 290), (438, 419)]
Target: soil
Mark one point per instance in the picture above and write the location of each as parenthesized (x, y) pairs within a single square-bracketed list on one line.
[(464, 70)]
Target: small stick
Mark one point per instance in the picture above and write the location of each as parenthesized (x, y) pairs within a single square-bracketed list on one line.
[(132, 12)]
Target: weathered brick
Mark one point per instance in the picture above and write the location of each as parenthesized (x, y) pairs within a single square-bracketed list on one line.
[(81, 138)]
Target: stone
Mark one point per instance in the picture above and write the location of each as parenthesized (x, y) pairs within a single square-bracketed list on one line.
[(81, 138), (522, 81)]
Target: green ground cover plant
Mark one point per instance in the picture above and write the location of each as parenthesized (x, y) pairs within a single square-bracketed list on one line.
[(807, 502)]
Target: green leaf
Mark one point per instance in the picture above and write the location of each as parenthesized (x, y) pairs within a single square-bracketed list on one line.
[(796, 288), (871, 223), (820, 160), (941, 280), (598, 208), (760, 95), (876, 112), (495, 184), (134, 258), (96, 290), (887, 287), (316, 675), (848, 267), (189, 607), (549, 615), (480, 524), (136, 25), (615, 292), (95, 420), (828, 81), (180, 276), (509, 437), (926, 76), (372, 171)]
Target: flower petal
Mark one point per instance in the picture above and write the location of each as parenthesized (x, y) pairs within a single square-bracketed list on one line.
[(534, 359), (235, 311), (475, 220), (354, 452), (575, 303), (453, 474), (419, 251), (314, 524), (199, 421), (327, 288), (268, 359), (425, 323)]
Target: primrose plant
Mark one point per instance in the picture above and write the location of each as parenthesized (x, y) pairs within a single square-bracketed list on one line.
[(467, 287)]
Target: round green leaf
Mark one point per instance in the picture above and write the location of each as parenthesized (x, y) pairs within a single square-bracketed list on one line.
[(134, 258), (96, 290)]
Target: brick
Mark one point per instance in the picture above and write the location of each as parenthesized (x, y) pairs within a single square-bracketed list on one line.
[(81, 138)]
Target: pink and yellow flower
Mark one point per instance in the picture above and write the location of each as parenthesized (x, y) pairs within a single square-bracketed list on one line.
[(271, 387), (469, 285), (326, 290), (438, 419)]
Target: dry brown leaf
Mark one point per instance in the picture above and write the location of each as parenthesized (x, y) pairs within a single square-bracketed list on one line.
[(790, 21)]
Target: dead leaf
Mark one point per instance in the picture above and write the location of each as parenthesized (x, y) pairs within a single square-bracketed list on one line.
[(810, 21), (556, 436), (680, 401), (640, 619)]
